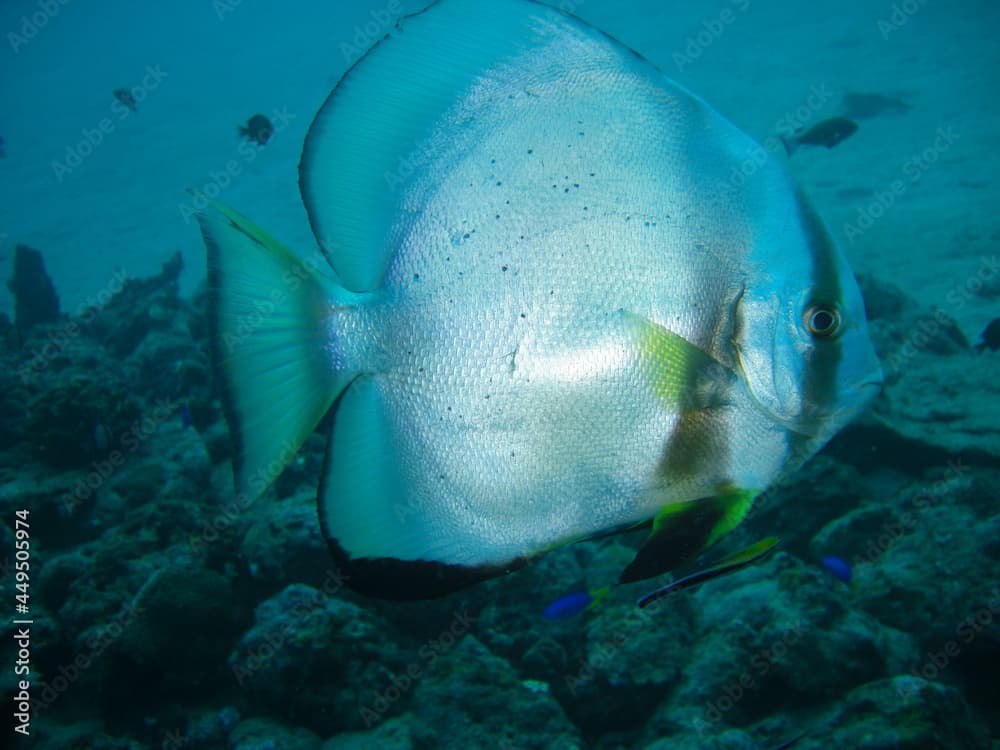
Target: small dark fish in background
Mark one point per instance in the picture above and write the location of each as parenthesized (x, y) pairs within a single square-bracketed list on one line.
[(185, 416), (258, 128), (838, 568), (126, 98), (826, 133), (3, 153), (990, 337), (864, 106)]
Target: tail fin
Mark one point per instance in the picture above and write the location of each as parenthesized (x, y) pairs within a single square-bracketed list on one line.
[(271, 341)]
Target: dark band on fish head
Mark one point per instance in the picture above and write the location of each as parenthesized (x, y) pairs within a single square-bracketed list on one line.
[(820, 372)]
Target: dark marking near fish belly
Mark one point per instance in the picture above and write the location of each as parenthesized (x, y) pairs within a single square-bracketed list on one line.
[(410, 580)]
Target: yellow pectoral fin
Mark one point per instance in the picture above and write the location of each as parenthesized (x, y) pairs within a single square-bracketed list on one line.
[(682, 375)]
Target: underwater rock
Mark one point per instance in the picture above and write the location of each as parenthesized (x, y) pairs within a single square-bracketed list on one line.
[(91, 735), (185, 618), (284, 545), (58, 576), (938, 392), (905, 713), (82, 421), (928, 568), (35, 299), (633, 658), (169, 364), (139, 307), (477, 700), (48, 496), (265, 734), (777, 629), (393, 734), (730, 739), (340, 658)]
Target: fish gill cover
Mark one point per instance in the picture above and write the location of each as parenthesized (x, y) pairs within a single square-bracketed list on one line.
[(150, 603)]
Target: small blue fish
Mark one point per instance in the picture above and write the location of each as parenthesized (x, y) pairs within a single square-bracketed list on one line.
[(185, 416), (838, 568), (575, 603), (3, 153)]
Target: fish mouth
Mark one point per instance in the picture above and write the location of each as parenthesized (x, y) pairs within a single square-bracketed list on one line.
[(817, 422)]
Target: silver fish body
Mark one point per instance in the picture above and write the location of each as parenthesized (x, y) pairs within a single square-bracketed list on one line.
[(559, 308)]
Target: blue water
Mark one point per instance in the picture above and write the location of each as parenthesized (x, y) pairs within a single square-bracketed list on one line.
[(912, 197), (122, 207)]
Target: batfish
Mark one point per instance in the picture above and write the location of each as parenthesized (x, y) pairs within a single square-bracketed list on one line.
[(547, 313)]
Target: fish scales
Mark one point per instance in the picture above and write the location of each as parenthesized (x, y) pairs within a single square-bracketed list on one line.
[(556, 313)]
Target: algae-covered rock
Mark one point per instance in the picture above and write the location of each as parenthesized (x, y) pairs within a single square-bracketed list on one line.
[(393, 734), (284, 544), (339, 657), (185, 618), (939, 392), (35, 298), (266, 734), (83, 735), (476, 700), (730, 739), (778, 634), (632, 659), (903, 713), (87, 419), (138, 307)]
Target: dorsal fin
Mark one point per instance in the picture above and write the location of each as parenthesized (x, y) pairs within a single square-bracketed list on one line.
[(376, 129)]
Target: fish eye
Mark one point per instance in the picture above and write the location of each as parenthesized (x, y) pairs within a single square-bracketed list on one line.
[(822, 321)]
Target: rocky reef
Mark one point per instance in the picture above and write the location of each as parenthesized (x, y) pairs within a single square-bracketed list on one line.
[(168, 614)]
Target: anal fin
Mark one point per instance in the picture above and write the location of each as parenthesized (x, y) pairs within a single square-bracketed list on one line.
[(681, 531)]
